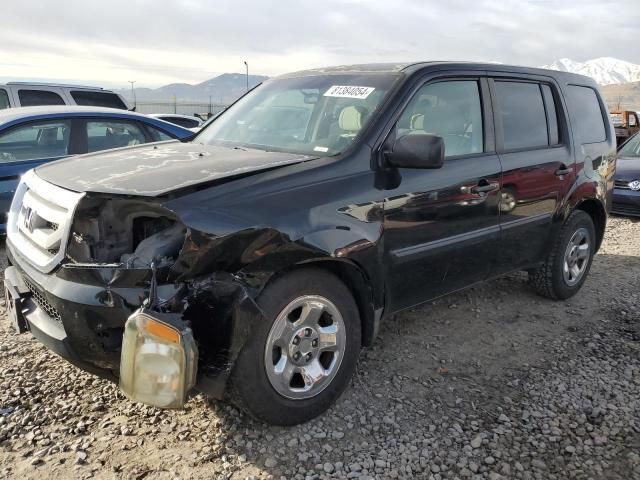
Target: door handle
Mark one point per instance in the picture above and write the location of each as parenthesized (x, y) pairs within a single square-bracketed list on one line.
[(563, 170), (484, 187)]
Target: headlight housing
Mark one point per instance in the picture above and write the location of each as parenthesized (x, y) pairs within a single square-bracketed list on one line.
[(158, 362)]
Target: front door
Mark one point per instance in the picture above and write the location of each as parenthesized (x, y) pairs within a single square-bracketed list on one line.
[(441, 226), (25, 146)]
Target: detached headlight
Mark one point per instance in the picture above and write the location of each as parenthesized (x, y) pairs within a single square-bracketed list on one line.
[(159, 361)]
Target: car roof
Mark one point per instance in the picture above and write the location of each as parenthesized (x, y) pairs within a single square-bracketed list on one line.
[(16, 115), (9, 114), (412, 67)]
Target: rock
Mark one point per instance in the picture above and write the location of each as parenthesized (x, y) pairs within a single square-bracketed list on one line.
[(503, 418), (476, 442), (270, 462), (539, 464), (489, 460)]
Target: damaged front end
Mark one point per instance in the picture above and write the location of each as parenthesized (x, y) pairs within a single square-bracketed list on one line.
[(131, 300), (184, 290)]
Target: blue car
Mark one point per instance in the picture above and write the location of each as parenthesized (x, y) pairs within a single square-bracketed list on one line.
[(32, 136)]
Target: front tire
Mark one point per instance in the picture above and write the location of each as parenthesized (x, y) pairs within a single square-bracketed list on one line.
[(303, 353), (568, 263)]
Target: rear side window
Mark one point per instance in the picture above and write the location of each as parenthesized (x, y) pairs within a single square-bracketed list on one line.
[(586, 114), (521, 111), (4, 99), (182, 122), (33, 98), (158, 135), (37, 140), (113, 134), (97, 99)]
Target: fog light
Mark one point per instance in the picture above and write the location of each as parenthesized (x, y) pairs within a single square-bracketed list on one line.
[(159, 361)]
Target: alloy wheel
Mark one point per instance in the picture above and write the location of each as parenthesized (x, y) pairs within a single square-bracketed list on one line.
[(576, 257), (305, 347)]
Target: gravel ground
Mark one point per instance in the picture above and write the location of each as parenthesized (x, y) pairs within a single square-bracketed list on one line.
[(494, 383)]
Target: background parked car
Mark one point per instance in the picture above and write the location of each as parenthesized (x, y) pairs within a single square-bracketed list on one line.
[(23, 94), (185, 121), (626, 195), (31, 136)]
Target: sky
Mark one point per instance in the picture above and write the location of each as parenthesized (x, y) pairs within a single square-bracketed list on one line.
[(156, 42)]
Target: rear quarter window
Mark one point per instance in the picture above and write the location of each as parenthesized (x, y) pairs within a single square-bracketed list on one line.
[(97, 99), (586, 114)]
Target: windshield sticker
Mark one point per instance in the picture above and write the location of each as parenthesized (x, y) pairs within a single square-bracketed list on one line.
[(348, 91), (320, 149)]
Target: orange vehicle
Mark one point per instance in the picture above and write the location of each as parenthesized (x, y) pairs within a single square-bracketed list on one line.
[(626, 124)]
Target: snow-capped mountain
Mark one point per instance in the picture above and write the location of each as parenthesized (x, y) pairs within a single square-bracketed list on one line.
[(604, 70)]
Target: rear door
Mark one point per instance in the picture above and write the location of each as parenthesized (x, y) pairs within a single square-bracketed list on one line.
[(441, 226), (98, 134), (533, 143), (26, 146)]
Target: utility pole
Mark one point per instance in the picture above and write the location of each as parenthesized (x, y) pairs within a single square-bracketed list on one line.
[(247, 67), (133, 93)]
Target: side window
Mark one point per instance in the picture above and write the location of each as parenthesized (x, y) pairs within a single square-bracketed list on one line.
[(158, 135), (97, 99), (37, 140), (33, 98), (586, 114), (552, 115), (4, 99), (113, 134), (182, 122), (451, 110), (521, 111)]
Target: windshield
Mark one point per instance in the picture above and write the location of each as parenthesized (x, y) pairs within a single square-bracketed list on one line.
[(316, 115), (631, 148)]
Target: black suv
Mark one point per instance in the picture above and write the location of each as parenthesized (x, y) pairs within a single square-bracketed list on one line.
[(254, 261)]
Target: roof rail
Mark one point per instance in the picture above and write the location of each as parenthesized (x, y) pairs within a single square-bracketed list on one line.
[(44, 84)]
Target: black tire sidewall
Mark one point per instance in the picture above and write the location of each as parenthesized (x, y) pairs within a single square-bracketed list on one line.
[(249, 379), (577, 220)]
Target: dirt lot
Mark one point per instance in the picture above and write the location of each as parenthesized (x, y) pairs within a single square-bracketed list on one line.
[(491, 383)]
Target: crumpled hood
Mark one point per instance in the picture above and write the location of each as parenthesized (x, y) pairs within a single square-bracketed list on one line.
[(151, 170), (628, 169)]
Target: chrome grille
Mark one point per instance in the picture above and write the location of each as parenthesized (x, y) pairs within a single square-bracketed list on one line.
[(40, 220), (622, 185), (42, 302)]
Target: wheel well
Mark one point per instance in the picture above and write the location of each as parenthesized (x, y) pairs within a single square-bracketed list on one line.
[(357, 283), (598, 215)]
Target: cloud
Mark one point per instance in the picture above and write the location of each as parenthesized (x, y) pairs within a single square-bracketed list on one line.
[(157, 42)]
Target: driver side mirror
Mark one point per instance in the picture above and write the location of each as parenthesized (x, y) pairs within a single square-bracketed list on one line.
[(418, 150)]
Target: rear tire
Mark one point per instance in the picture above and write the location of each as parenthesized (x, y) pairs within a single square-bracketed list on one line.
[(302, 355), (568, 263)]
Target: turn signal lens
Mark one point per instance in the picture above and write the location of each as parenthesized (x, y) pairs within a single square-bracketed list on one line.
[(158, 362)]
